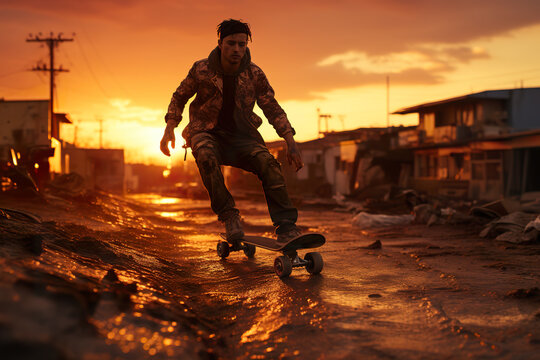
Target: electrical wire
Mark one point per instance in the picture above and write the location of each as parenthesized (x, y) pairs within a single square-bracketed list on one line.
[(107, 68), (496, 75), (92, 71), (12, 73)]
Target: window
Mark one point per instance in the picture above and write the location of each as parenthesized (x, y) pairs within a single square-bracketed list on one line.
[(443, 167), (337, 162), (433, 166)]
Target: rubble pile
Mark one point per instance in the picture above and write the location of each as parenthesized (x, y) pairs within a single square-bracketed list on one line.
[(507, 220), (517, 227)]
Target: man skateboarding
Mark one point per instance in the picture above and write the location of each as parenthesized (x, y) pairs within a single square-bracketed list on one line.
[(222, 129)]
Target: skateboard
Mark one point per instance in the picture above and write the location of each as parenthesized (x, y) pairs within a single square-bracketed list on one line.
[(284, 264)]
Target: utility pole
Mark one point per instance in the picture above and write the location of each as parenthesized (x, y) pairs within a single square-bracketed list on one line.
[(388, 102), (75, 130), (52, 42), (101, 133), (324, 117)]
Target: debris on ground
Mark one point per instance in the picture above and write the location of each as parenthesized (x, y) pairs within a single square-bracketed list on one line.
[(365, 220), (512, 220), (512, 228), (425, 214), (496, 209), (71, 184)]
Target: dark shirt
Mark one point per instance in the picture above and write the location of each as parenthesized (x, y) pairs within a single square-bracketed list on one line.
[(227, 127), (226, 119)]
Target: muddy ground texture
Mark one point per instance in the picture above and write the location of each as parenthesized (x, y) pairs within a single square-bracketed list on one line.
[(96, 276)]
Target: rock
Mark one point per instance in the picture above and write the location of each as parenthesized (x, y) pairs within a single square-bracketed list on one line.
[(114, 289), (33, 243), (375, 245), (433, 219), (374, 296), (111, 277), (524, 293)]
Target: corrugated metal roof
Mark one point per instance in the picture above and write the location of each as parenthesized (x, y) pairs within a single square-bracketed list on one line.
[(489, 94)]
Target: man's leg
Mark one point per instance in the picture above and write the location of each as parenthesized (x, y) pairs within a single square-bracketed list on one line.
[(207, 153), (282, 212)]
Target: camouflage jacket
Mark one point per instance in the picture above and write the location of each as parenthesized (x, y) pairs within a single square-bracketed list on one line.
[(205, 79)]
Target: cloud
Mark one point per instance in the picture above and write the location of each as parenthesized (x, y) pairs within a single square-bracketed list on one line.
[(387, 63), (423, 64), (69, 7), (309, 46), (465, 54), (124, 111), (311, 83)]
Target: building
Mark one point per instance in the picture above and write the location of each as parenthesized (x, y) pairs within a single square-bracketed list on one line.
[(101, 168), (478, 145), (26, 131), (341, 162)]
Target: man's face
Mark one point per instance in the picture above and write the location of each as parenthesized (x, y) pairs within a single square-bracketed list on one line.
[(233, 47)]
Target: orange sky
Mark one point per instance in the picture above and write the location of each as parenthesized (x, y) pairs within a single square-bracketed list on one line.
[(129, 55)]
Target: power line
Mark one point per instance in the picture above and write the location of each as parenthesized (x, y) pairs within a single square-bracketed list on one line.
[(107, 68), (12, 73), (92, 71), (506, 74)]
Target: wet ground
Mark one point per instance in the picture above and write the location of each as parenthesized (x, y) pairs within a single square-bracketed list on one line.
[(101, 277)]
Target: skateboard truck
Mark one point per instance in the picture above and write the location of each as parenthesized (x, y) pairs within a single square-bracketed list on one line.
[(296, 261), (224, 249)]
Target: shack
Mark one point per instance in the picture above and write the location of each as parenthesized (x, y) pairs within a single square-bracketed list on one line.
[(479, 146)]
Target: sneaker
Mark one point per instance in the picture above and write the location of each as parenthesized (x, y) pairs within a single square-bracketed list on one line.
[(233, 229), (288, 235)]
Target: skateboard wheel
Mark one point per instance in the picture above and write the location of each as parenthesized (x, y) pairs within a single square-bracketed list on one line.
[(249, 250), (315, 262), (283, 266), (223, 249)]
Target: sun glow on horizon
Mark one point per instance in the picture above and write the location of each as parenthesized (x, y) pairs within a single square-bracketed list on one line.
[(126, 80)]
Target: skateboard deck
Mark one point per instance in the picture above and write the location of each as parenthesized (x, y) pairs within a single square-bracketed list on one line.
[(304, 241)]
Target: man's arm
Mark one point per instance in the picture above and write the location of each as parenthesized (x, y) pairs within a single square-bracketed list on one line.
[(277, 117), (270, 107), (187, 88)]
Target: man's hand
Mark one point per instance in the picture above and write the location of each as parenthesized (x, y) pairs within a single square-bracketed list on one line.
[(168, 136), (293, 154)]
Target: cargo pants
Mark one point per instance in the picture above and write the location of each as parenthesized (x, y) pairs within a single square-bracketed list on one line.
[(212, 149)]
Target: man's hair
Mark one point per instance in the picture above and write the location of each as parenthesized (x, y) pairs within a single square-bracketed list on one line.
[(232, 26)]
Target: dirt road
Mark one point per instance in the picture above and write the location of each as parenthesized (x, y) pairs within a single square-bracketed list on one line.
[(106, 277)]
